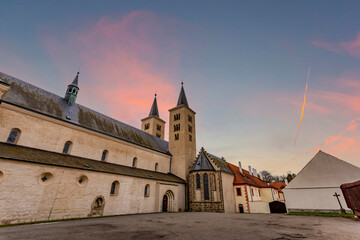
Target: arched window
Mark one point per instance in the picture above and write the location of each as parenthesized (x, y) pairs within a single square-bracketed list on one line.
[(156, 167), (14, 136), (213, 181), (206, 187), (114, 188), (197, 180), (147, 190), (134, 162), (104, 155), (67, 147)]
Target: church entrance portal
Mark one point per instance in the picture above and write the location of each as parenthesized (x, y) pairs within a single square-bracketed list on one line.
[(165, 203), (168, 202)]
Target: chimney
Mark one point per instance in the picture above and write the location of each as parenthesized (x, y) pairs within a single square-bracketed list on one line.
[(250, 169), (254, 172), (261, 176), (286, 182), (240, 168)]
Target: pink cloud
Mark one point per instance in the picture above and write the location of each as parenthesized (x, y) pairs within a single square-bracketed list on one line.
[(351, 48), (341, 142), (124, 62)]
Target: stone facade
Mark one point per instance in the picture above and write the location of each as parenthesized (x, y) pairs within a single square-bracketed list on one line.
[(198, 203), (210, 185), (34, 188), (154, 125), (25, 197), (182, 139)]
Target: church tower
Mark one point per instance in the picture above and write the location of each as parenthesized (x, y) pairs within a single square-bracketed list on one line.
[(72, 90), (153, 124), (182, 137)]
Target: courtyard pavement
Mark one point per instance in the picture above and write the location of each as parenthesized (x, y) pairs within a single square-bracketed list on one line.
[(191, 226)]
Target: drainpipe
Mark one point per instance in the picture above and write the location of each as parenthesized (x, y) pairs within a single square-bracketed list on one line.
[(170, 164)]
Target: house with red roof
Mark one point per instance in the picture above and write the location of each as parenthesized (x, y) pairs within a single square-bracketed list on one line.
[(253, 195)]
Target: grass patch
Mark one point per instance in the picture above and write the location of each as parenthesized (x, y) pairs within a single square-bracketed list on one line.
[(323, 214)]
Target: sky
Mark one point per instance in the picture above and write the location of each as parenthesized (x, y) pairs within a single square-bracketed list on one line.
[(244, 65)]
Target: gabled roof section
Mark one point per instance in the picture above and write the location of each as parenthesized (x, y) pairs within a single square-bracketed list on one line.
[(246, 178), (36, 156), (27, 96), (202, 163), (208, 162), (278, 185), (220, 162), (325, 170), (154, 109), (182, 98)]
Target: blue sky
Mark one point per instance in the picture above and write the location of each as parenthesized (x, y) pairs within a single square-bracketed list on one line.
[(244, 66)]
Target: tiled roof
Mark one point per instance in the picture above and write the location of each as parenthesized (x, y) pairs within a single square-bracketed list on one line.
[(27, 96), (220, 162), (246, 178), (278, 185), (202, 163), (32, 155)]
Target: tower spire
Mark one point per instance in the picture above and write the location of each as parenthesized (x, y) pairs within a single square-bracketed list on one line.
[(182, 97), (76, 80), (72, 90), (154, 108)]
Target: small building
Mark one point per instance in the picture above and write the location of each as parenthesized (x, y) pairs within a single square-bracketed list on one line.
[(313, 189), (253, 195)]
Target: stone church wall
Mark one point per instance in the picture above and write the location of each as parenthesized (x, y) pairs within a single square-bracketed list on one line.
[(45, 133), (24, 197)]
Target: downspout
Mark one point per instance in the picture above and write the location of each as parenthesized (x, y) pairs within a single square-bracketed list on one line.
[(170, 164)]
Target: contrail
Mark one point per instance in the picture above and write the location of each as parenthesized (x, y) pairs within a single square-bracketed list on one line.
[(302, 111)]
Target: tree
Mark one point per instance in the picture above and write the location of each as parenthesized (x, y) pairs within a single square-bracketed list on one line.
[(267, 177)]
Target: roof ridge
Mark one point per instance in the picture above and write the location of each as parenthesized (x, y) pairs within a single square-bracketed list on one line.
[(134, 137)]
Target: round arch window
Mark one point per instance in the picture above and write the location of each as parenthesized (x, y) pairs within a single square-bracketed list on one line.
[(82, 180), (46, 178)]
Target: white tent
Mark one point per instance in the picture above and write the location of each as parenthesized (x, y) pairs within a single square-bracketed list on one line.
[(314, 186)]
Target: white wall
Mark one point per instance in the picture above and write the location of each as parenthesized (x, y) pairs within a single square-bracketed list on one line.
[(228, 193), (314, 199), (259, 207), (23, 197)]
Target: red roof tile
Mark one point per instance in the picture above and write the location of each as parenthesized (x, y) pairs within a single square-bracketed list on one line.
[(278, 185), (246, 178)]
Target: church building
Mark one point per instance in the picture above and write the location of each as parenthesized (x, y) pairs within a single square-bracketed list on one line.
[(59, 159)]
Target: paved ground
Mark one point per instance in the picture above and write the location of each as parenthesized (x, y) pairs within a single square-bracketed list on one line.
[(195, 226)]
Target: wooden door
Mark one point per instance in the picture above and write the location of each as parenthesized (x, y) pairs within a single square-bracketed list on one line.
[(165, 203)]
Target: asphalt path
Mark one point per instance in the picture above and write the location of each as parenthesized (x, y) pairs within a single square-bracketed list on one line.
[(191, 226)]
